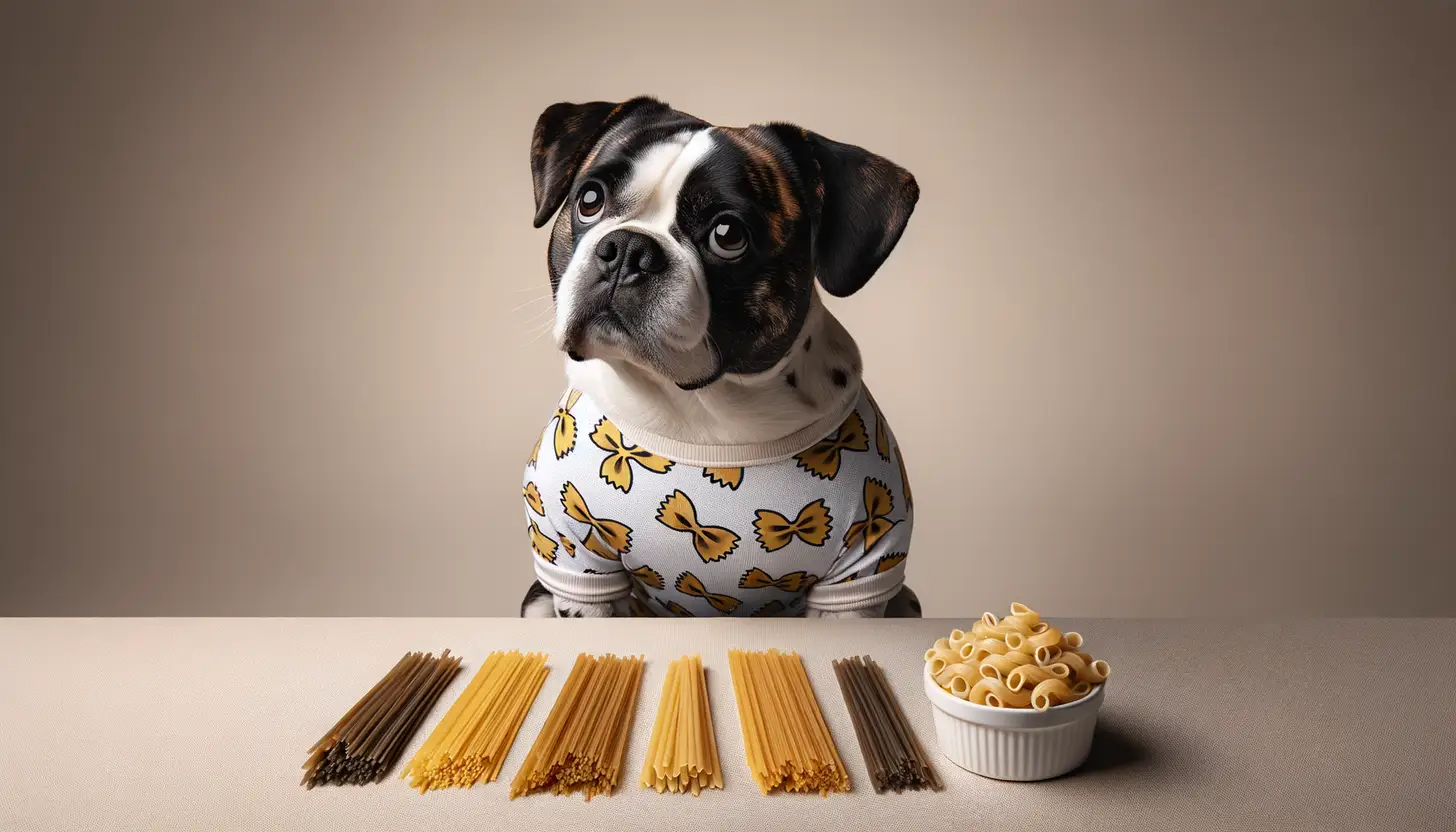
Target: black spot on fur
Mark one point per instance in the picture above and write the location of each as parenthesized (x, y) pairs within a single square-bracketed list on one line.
[(792, 380), (808, 342), (839, 378)]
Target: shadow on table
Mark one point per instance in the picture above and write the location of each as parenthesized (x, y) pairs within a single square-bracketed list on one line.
[(1114, 748)]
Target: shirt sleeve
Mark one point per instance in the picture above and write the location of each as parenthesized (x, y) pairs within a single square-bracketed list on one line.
[(870, 568), (575, 567)]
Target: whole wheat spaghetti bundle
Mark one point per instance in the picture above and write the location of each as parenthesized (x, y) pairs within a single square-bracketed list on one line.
[(785, 738), (473, 738), (892, 752), (581, 746), (367, 741), (683, 753)]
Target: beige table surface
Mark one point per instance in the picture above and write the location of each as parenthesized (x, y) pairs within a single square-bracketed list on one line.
[(202, 724)]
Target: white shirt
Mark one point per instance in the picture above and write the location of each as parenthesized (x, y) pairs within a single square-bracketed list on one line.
[(823, 526)]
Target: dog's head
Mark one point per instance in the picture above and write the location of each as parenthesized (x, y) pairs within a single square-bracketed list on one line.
[(692, 250)]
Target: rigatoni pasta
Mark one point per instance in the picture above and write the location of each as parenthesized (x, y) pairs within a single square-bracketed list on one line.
[(682, 755), (1017, 661)]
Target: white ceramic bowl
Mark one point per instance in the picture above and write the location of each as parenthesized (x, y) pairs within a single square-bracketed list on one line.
[(1014, 743)]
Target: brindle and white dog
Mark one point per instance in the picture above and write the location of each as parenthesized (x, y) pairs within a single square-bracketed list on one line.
[(684, 261)]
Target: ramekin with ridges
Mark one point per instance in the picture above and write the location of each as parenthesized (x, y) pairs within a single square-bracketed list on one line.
[(1014, 743)]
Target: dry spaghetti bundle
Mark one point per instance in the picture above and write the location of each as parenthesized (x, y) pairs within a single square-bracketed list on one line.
[(364, 744), (784, 735), (473, 738), (581, 746), (891, 750), (683, 754)]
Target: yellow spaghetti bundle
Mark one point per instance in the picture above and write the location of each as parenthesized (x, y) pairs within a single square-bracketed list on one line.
[(683, 754), (787, 743), (582, 744), (473, 738)]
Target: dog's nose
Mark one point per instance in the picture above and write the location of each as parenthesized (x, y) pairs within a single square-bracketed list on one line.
[(628, 255)]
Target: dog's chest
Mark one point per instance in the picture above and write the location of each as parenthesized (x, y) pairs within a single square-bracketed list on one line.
[(702, 541)]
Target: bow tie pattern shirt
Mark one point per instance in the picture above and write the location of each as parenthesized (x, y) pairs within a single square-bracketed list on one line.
[(827, 528)]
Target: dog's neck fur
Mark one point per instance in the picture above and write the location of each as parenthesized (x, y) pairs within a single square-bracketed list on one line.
[(818, 376)]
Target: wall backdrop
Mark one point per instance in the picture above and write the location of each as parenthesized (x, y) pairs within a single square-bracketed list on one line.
[(1171, 331)]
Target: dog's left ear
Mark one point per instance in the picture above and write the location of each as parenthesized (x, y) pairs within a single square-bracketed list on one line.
[(860, 204), (564, 134)]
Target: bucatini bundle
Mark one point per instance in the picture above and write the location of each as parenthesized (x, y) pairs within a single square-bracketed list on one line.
[(582, 744), (472, 740), (367, 741)]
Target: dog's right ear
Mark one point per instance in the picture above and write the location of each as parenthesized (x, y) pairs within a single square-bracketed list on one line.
[(564, 134)]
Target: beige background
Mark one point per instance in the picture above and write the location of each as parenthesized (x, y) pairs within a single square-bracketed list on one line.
[(1170, 332)]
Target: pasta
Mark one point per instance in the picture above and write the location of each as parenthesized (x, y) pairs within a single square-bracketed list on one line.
[(683, 753), (471, 742), (785, 738), (367, 741), (1017, 661), (580, 748), (891, 750)]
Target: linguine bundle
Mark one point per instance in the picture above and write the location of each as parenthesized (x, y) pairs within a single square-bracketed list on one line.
[(582, 744), (683, 753)]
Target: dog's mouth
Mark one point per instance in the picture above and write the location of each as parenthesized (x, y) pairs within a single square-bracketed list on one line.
[(605, 334)]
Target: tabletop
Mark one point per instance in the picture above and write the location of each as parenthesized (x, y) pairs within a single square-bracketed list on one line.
[(191, 724)]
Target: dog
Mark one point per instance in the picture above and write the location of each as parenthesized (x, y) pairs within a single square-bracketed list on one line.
[(716, 452)]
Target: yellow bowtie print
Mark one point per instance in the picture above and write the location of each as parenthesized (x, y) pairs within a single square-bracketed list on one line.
[(639, 609), (536, 450), (904, 478), (688, 584), (772, 608), (564, 436), (607, 538), (533, 499), (877, 504), (882, 436), (822, 460), (712, 543), (775, 531), (729, 477), (678, 609), (756, 578), (889, 562), (567, 545), (649, 576), (543, 545), (617, 467)]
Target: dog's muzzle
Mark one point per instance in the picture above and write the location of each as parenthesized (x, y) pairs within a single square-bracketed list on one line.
[(623, 269)]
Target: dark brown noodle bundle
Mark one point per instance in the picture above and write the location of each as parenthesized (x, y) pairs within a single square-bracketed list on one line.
[(366, 743), (891, 750)]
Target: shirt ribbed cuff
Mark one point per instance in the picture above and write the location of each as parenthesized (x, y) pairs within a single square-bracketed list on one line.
[(583, 588), (859, 593)]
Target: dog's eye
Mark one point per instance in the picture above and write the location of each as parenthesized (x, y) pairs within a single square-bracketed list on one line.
[(728, 239), (589, 202)]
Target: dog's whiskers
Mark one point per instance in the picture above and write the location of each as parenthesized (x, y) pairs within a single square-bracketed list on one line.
[(537, 299)]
